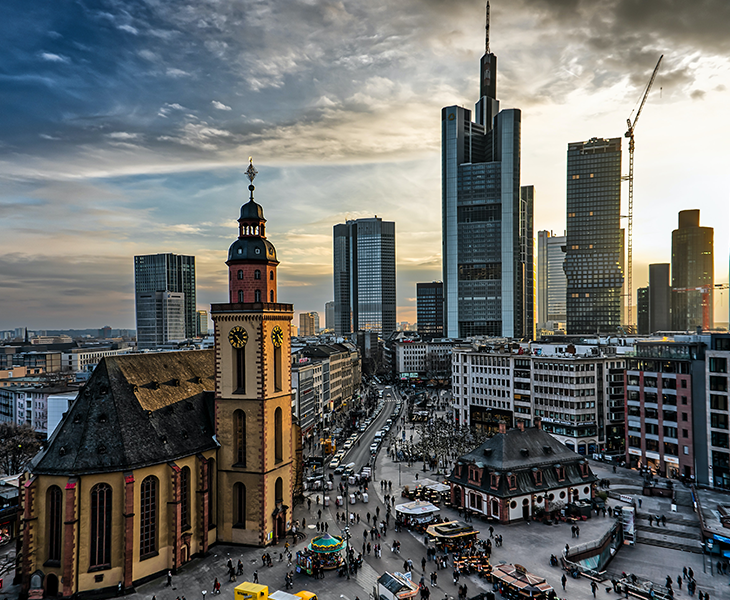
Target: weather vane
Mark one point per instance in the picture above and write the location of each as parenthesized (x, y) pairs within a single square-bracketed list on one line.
[(251, 172)]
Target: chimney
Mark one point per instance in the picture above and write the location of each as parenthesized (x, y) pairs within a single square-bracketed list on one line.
[(520, 425), (502, 427), (538, 423)]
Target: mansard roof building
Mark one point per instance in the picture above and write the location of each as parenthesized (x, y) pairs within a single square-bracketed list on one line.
[(519, 473)]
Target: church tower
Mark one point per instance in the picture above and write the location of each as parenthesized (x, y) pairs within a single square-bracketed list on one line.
[(253, 417)]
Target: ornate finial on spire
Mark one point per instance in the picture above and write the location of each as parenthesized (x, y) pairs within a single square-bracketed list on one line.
[(487, 27), (251, 173)]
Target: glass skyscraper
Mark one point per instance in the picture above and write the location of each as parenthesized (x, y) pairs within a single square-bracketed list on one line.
[(551, 282), (364, 276), (487, 224), (594, 244), (693, 273), (168, 273), (430, 309)]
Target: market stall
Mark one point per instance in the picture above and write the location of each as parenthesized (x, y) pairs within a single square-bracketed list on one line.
[(415, 514), (323, 551), (516, 583), (452, 535), (396, 586)]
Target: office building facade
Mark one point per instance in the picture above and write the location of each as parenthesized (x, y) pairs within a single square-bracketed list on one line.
[(329, 315), (594, 244), (487, 246), (171, 273), (160, 318), (551, 282), (364, 276), (308, 324), (660, 298), (202, 323), (642, 311), (693, 275), (430, 309)]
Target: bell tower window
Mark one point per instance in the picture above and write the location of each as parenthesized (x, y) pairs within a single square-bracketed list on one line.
[(240, 274), (257, 296), (271, 296), (257, 274), (240, 296), (271, 275)]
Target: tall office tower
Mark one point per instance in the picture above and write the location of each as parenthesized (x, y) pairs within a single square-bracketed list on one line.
[(364, 276), (308, 323), (430, 309), (172, 273), (693, 275), (329, 315), (160, 318), (487, 259), (660, 298), (643, 310), (202, 323), (594, 244), (551, 282)]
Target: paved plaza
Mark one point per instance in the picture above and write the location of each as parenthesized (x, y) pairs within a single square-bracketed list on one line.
[(527, 544)]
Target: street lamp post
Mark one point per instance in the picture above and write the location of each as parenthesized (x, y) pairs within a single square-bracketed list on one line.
[(346, 533)]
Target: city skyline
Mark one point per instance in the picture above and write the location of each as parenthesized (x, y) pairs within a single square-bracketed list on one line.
[(128, 131)]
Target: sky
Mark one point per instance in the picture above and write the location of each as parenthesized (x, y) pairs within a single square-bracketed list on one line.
[(126, 128)]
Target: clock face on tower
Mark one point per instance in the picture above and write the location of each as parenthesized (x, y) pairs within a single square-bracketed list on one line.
[(238, 337), (277, 336)]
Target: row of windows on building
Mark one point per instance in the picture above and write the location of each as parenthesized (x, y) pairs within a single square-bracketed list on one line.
[(101, 515), (256, 274)]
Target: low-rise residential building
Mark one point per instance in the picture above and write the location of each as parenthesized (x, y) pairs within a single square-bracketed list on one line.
[(29, 406), (307, 394)]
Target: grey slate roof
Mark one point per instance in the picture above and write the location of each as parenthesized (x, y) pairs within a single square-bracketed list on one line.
[(519, 453), (136, 410)]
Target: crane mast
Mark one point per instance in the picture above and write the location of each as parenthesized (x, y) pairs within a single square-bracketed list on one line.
[(630, 134)]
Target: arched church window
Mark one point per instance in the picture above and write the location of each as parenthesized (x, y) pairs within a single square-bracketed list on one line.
[(257, 274)]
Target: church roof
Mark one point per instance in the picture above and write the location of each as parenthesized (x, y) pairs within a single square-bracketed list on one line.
[(136, 410), (247, 249), (252, 211)]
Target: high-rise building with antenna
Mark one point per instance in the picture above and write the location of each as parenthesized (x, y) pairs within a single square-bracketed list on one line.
[(487, 224)]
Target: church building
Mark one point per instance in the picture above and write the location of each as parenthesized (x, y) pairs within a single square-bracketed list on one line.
[(164, 454)]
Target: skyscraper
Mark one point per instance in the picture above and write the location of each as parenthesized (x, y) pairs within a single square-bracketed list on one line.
[(308, 323), (693, 274), (551, 282), (642, 311), (486, 217), (171, 273), (594, 244), (202, 323), (430, 309), (329, 315), (160, 318), (660, 298), (364, 276)]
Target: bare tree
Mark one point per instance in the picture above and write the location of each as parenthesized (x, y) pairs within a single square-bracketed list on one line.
[(18, 444)]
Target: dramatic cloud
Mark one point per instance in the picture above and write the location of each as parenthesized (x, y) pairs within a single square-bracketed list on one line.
[(127, 125)]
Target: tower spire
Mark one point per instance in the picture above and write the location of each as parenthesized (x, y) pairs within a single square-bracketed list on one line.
[(487, 28), (251, 173)]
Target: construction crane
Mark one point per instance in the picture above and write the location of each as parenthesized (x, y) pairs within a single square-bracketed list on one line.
[(630, 134), (705, 289)]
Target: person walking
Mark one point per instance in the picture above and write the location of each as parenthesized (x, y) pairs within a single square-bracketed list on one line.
[(679, 582), (639, 502), (563, 580), (169, 579), (594, 587), (255, 576)]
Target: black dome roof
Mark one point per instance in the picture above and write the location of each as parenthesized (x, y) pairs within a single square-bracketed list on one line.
[(252, 249), (252, 211)]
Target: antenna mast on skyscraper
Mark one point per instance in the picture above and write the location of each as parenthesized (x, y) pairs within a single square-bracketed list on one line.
[(487, 27)]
